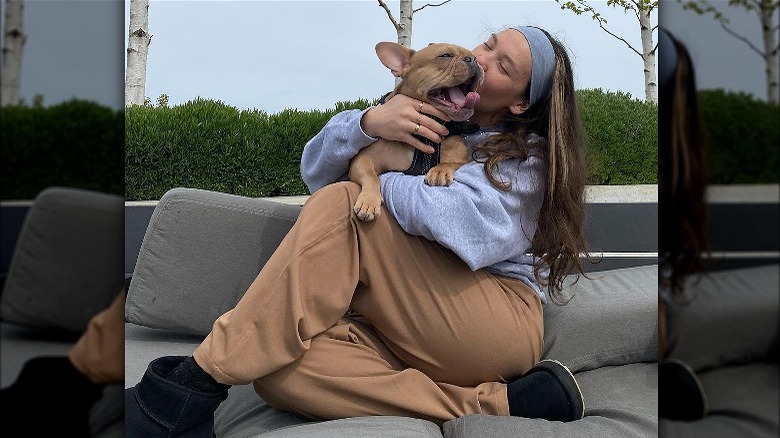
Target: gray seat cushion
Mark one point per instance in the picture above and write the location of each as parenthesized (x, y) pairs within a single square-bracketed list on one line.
[(620, 402), (743, 402), (363, 427), (18, 344)]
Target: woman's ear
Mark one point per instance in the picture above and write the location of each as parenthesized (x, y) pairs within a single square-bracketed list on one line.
[(519, 107)]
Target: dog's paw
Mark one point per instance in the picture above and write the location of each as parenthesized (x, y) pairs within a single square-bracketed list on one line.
[(440, 175), (368, 206)]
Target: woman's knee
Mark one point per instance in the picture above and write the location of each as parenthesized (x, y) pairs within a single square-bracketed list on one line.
[(335, 194)]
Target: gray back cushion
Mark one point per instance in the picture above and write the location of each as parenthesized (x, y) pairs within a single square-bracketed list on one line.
[(731, 318), (611, 320), (200, 253), (68, 261)]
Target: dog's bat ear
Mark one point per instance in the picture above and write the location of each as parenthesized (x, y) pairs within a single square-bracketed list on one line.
[(394, 56)]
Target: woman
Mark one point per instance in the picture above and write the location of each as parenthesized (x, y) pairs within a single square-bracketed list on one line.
[(433, 310), (682, 217)]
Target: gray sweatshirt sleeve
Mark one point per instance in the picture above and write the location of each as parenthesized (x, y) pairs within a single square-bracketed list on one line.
[(326, 156), (480, 223)]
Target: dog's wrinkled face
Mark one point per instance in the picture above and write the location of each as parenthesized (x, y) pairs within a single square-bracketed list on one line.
[(444, 75)]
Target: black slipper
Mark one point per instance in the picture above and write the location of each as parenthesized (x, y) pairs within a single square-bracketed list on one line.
[(549, 391), (680, 394)]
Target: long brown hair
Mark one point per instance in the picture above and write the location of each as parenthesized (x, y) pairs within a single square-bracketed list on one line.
[(559, 239), (682, 179)]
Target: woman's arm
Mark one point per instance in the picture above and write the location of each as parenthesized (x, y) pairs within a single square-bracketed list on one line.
[(326, 156), (480, 223)]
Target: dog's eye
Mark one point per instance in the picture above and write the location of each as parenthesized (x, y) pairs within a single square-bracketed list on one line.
[(445, 55)]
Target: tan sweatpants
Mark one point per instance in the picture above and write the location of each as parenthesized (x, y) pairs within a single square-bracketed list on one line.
[(100, 352), (425, 336)]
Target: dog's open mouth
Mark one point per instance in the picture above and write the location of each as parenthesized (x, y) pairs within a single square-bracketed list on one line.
[(456, 97)]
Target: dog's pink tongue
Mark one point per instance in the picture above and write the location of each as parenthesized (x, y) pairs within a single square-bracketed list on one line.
[(456, 96), (463, 101), (472, 98)]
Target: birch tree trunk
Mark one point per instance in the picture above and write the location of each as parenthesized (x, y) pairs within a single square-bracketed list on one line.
[(770, 55), (648, 56), (766, 10), (403, 27), (138, 40), (642, 9), (13, 47), (405, 24)]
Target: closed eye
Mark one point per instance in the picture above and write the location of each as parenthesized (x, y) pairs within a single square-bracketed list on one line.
[(445, 55)]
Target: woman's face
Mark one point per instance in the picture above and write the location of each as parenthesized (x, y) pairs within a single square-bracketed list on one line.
[(506, 59)]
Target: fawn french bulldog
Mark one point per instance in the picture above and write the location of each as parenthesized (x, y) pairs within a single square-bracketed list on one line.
[(443, 75)]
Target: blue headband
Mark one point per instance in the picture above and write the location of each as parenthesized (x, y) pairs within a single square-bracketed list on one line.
[(542, 62)]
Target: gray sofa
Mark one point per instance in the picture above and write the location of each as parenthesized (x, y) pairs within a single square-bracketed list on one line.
[(202, 249), (729, 335), (66, 266)]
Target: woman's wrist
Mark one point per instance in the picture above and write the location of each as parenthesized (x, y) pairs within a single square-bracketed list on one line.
[(367, 123)]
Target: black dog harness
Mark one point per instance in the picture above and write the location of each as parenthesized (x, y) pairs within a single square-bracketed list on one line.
[(422, 162)]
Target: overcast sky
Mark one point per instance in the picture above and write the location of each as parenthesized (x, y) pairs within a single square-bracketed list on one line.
[(271, 55), (73, 49), (721, 60)]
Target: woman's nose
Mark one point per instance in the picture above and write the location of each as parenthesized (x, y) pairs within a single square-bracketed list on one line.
[(481, 63)]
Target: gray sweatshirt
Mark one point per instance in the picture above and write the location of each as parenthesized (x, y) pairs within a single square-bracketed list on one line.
[(486, 227)]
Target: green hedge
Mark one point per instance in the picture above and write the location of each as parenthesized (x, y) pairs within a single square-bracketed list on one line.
[(210, 145), (76, 143), (622, 137), (742, 138)]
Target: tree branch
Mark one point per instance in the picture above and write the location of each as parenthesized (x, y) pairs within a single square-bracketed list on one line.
[(759, 12), (621, 39), (383, 5), (637, 9), (741, 38), (423, 7)]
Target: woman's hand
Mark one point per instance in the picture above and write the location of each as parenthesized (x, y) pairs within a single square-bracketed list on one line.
[(401, 117)]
